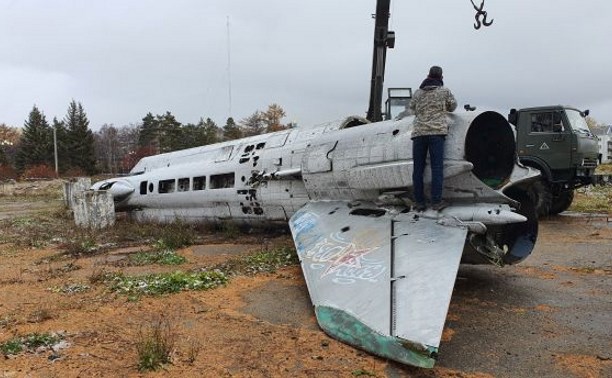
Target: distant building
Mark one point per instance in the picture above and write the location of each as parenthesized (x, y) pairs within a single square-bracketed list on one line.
[(605, 143)]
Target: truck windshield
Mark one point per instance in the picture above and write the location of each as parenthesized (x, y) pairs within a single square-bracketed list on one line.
[(577, 121)]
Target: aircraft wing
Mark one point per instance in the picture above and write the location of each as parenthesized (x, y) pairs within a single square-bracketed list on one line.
[(381, 282)]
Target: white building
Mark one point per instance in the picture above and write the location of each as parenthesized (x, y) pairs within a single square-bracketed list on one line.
[(605, 143)]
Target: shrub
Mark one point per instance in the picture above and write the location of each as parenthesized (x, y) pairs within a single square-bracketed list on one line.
[(7, 172), (41, 171), (74, 172)]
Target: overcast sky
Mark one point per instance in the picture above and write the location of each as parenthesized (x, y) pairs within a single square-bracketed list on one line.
[(124, 58)]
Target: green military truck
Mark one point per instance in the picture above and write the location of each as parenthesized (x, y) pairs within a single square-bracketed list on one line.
[(557, 141)]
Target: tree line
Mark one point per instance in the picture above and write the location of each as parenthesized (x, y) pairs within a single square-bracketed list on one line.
[(29, 152)]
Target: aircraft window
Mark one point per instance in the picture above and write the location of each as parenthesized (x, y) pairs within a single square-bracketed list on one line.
[(222, 181), (224, 153), (249, 148), (143, 187), (261, 145), (150, 187), (199, 183), (183, 184), (166, 186)]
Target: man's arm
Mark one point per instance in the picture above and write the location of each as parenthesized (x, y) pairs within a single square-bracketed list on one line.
[(412, 104), (451, 103)]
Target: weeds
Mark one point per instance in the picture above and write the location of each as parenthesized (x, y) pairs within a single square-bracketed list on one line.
[(154, 344), (83, 243), (8, 320), (229, 229), (69, 289), (40, 315), (30, 343), (193, 349), (98, 275), (164, 283), (264, 261), (363, 373), (166, 257), (11, 347), (174, 236)]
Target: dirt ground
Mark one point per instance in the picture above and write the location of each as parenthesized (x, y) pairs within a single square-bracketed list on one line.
[(550, 316)]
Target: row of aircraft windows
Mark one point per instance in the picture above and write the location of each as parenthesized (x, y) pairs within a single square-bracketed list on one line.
[(186, 184)]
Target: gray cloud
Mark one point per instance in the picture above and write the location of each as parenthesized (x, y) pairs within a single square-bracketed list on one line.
[(123, 59)]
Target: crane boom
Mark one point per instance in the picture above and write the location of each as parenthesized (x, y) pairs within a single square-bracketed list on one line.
[(383, 38)]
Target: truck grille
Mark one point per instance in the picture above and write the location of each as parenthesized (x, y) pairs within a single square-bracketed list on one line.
[(589, 162)]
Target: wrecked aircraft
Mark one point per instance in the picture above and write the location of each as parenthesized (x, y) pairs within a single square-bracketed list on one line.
[(380, 276)]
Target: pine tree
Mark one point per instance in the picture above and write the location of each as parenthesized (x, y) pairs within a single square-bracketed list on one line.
[(231, 131), (36, 142), (79, 139), (148, 133), (201, 134), (211, 132), (253, 124), (169, 133)]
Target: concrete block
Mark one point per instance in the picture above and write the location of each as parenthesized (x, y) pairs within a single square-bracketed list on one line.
[(93, 209), (74, 186)]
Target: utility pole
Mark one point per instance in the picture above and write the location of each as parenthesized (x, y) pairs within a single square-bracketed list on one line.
[(55, 150)]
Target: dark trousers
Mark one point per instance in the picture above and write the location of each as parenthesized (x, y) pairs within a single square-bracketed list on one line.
[(434, 144)]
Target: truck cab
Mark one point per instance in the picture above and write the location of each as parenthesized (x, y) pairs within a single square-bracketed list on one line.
[(557, 141)]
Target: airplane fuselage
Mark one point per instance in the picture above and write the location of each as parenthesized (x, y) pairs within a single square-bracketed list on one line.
[(268, 177)]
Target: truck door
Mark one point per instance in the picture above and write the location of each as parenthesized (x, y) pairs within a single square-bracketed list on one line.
[(548, 138)]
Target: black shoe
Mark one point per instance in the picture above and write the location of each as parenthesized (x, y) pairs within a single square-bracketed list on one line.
[(439, 205), (419, 207)]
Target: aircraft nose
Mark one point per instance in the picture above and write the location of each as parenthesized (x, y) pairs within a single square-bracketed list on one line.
[(121, 189)]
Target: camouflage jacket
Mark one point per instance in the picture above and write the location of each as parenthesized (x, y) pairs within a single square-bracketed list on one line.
[(430, 105)]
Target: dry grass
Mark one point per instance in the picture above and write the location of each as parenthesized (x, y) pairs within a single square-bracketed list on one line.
[(40, 189), (593, 199), (604, 169)]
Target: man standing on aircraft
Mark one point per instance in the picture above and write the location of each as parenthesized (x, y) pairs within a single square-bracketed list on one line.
[(430, 105)]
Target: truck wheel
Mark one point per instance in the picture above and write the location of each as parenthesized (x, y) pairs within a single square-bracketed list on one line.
[(541, 195), (561, 202)]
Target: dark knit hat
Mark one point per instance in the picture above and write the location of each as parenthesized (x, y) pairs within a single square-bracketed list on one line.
[(435, 72)]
